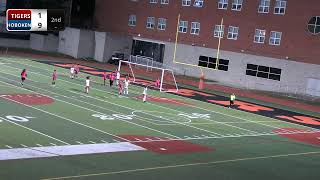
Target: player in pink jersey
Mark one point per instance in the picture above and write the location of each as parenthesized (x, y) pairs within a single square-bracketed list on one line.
[(23, 76), (54, 77), (120, 87), (104, 77), (157, 83)]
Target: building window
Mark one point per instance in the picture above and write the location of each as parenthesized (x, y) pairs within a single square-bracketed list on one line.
[(195, 28), (222, 4), (164, 1), (264, 6), (183, 26), (233, 32), (162, 23), (314, 25), (280, 7), (263, 72), (275, 38), (198, 3), (259, 36), (153, 1), (132, 20), (236, 5), (218, 31), (186, 2), (150, 22), (210, 62)]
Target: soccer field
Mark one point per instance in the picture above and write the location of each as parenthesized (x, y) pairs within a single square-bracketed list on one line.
[(61, 132)]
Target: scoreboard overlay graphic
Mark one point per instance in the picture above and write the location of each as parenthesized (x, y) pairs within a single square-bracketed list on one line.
[(35, 20)]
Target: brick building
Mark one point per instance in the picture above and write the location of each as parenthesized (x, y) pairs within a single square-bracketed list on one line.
[(265, 44)]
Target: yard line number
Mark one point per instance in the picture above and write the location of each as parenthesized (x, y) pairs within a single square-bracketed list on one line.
[(105, 117), (18, 118)]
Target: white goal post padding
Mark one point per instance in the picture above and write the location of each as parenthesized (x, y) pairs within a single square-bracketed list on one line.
[(166, 76)]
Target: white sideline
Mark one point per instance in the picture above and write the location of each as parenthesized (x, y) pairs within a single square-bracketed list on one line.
[(69, 150)]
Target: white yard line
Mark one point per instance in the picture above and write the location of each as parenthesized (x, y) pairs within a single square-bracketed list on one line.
[(67, 119), (150, 114), (192, 106), (38, 132), (85, 109)]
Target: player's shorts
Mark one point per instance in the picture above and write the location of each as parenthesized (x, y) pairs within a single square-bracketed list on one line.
[(231, 102), (23, 78)]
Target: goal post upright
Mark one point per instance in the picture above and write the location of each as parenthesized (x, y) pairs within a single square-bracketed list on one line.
[(219, 44), (161, 81)]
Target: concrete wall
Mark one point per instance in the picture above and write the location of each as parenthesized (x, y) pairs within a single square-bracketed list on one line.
[(17, 43), (48, 43), (86, 44), (117, 43), (77, 43), (69, 42), (294, 75), (100, 41)]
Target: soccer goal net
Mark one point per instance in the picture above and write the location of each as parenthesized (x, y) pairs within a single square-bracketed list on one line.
[(152, 74)]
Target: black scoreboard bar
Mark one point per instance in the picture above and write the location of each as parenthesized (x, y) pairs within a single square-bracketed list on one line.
[(35, 19)]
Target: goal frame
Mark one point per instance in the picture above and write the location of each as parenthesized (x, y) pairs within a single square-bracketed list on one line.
[(163, 70)]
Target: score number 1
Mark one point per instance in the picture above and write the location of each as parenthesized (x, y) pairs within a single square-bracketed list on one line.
[(39, 20)]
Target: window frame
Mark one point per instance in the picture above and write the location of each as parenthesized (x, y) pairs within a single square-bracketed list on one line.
[(234, 35), (132, 20), (259, 36), (315, 25), (262, 7), (198, 1), (279, 8), (153, 1), (222, 3), (237, 4), (211, 63), (257, 72), (164, 1), (218, 31), (184, 26), (273, 40), (186, 2), (152, 23), (162, 23), (195, 28)]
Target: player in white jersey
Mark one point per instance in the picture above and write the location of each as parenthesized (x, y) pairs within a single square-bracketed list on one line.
[(87, 87), (72, 72), (145, 94), (126, 86), (117, 77)]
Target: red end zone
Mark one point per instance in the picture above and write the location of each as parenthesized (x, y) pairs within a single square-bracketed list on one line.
[(165, 100), (165, 146), (303, 136), (29, 99)]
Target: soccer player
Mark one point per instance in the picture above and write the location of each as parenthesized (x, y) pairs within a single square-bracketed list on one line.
[(54, 77), (111, 79), (157, 83), (104, 77), (232, 99), (117, 77), (23, 76), (87, 85), (76, 70), (145, 94), (126, 85), (72, 72), (120, 87)]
